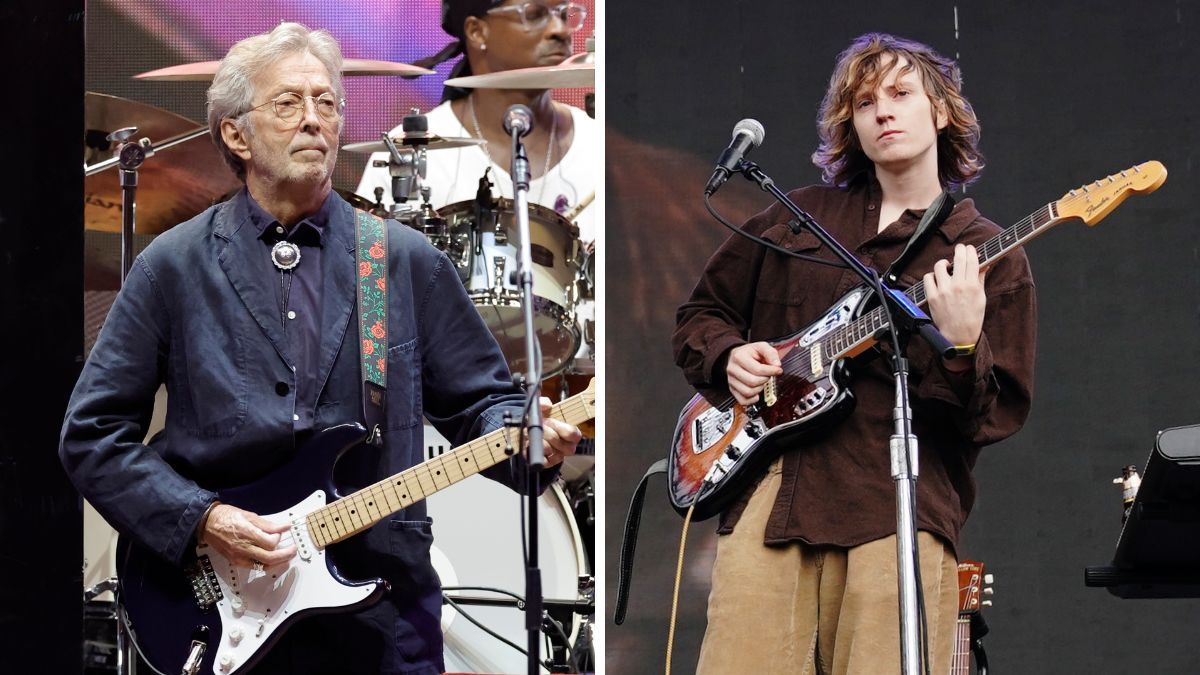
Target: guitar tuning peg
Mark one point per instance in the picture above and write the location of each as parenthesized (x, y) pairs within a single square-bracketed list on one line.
[(987, 603), (989, 591), (989, 579)]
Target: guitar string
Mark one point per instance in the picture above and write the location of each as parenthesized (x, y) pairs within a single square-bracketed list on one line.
[(831, 343), (565, 409), (802, 356)]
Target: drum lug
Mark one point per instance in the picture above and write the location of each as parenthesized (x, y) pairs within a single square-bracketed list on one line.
[(498, 265)]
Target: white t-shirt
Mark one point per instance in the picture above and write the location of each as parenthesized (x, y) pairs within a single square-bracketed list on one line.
[(453, 175)]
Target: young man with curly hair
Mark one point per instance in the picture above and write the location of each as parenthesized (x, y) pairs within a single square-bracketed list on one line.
[(805, 575)]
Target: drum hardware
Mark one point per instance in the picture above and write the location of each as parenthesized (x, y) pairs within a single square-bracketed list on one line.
[(486, 230), (428, 140), (174, 187), (107, 647), (498, 272), (204, 71)]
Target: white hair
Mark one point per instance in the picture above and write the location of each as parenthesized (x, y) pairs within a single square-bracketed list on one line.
[(232, 91)]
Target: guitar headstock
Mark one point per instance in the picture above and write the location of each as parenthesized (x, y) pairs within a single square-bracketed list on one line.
[(973, 584), (1092, 202)]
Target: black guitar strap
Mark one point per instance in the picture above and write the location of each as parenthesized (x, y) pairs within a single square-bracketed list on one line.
[(371, 273), (633, 520), (935, 215)]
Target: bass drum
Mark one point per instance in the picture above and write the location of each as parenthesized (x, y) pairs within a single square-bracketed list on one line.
[(477, 542), (493, 255)]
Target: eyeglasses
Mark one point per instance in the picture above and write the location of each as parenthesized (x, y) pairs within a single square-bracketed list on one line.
[(290, 105), (535, 15)]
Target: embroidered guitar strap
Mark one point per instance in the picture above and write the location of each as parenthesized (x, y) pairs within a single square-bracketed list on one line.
[(372, 257)]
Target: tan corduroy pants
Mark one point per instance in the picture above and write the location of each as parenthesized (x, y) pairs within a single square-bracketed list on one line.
[(800, 609)]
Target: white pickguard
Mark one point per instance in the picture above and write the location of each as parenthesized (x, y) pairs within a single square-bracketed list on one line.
[(256, 604)]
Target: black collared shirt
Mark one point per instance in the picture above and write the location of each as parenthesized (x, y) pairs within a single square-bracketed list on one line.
[(300, 312)]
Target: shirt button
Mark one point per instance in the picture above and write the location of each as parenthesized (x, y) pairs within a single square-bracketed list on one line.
[(870, 207), (295, 418), (282, 388), (291, 314), (279, 229)]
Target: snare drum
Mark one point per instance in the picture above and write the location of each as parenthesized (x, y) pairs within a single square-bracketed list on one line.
[(477, 542), (493, 255)]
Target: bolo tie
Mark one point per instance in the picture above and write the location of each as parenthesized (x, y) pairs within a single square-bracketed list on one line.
[(285, 255)]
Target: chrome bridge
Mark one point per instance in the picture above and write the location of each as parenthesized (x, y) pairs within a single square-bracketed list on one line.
[(205, 588)]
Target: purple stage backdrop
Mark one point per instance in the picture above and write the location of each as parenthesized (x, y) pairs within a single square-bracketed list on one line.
[(127, 37)]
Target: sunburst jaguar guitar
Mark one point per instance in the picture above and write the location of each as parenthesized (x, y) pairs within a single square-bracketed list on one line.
[(718, 450)]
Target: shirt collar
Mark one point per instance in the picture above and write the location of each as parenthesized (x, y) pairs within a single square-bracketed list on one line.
[(964, 212), (310, 231)]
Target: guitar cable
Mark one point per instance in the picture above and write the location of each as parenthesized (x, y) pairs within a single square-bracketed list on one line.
[(547, 621), (687, 519)]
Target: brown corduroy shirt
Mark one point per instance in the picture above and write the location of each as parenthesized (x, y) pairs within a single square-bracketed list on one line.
[(839, 490)]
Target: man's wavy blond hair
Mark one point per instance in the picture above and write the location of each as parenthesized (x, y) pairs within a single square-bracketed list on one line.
[(840, 156)]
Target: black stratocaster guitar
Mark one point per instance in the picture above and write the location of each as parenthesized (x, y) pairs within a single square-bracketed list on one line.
[(217, 618), (718, 450)]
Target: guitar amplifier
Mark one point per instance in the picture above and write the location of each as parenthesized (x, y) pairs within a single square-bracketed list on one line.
[(1158, 551)]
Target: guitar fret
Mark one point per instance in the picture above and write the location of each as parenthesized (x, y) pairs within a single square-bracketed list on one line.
[(359, 511)]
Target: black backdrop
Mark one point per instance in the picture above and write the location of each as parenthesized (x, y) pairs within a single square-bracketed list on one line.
[(1066, 95)]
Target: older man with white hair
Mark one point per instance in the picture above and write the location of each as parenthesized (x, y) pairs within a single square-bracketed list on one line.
[(247, 314)]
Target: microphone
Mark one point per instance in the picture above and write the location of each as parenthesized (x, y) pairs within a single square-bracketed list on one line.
[(747, 134), (520, 118)]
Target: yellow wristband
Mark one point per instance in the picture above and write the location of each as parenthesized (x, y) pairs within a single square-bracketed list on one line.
[(964, 350)]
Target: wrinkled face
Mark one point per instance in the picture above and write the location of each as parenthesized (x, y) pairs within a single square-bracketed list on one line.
[(511, 45), (301, 150), (897, 123)]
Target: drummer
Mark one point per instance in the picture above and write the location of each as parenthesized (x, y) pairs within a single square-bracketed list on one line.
[(563, 146)]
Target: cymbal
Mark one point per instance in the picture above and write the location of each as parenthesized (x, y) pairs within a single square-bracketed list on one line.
[(430, 141), (203, 71), (174, 184), (572, 73)]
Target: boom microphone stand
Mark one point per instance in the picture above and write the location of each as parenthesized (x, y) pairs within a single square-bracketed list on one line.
[(518, 122), (906, 319)]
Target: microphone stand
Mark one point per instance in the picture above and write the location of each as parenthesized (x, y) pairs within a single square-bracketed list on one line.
[(536, 455), (906, 319)]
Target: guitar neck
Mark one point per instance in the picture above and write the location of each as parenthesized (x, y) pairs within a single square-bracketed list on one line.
[(361, 510), (859, 334), (960, 662)]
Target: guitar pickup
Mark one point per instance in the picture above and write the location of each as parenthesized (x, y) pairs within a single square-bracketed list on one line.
[(770, 392)]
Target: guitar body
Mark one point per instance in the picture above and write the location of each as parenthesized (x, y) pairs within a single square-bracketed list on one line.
[(234, 612), (732, 444)]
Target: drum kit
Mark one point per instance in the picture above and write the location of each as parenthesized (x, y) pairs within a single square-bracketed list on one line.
[(479, 237)]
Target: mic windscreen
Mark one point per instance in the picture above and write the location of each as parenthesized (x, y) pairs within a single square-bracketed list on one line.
[(751, 127)]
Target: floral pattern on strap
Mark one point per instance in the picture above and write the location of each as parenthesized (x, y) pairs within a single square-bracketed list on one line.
[(372, 297)]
